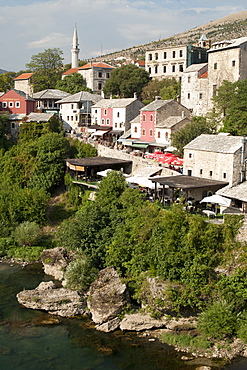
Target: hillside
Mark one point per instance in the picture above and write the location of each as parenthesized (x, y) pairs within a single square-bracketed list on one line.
[(229, 27)]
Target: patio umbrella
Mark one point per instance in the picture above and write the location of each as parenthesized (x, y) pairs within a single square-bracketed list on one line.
[(217, 199), (177, 161)]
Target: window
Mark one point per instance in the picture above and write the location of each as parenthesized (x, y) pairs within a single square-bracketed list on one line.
[(158, 134), (100, 74), (164, 69), (11, 104), (190, 155), (188, 96), (189, 172), (50, 103), (144, 117), (215, 65), (150, 132), (103, 121), (150, 57), (174, 54), (95, 111), (156, 69), (200, 96), (200, 55), (173, 68), (67, 118), (96, 120), (181, 68), (143, 132), (210, 173), (135, 129), (151, 118), (71, 118), (99, 86), (214, 90), (156, 56), (4, 104), (165, 55), (115, 125), (149, 70), (166, 135), (224, 175), (107, 121), (105, 112), (118, 114), (233, 63), (76, 118), (72, 106), (13, 125), (17, 104), (188, 79), (180, 53), (201, 171), (107, 75)]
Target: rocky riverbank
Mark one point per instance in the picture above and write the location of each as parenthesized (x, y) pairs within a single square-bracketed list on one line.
[(108, 304)]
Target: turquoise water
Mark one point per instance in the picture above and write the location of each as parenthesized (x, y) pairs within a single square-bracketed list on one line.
[(25, 343)]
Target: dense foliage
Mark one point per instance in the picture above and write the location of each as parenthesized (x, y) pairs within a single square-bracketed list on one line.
[(72, 84), (126, 81), (167, 88), (47, 68)]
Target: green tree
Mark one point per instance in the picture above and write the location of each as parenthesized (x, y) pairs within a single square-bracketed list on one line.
[(198, 126), (27, 233), (167, 88), (47, 68), (230, 102), (7, 81), (72, 84), (125, 81)]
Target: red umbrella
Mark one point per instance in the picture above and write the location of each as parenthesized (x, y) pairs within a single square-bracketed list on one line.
[(176, 161)]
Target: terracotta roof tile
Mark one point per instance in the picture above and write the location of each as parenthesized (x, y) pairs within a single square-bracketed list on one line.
[(98, 65), (24, 76), (70, 71), (204, 75)]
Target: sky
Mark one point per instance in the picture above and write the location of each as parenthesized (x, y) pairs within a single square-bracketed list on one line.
[(28, 27)]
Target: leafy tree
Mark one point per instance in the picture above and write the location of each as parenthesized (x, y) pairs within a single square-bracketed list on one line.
[(110, 188), (125, 81), (72, 84), (167, 88), (79, 149), (47, 68), (4, 127), (198, 126), (230, 102), (7, 81)]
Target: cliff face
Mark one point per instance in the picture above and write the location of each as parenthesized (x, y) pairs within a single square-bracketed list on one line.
[(230, 27)]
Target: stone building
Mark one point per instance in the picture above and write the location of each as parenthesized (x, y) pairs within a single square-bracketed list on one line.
[(23, 83), (46, 100), (227, 60), (218, 157)]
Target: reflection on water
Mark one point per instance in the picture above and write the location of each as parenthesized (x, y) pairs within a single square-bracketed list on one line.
[(26, 343)]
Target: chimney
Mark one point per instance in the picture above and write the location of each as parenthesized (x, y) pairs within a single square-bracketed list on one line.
[(135, 95), (158, 98)]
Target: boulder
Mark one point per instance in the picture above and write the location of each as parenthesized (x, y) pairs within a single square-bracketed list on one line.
[(139, 321), (57, 301), (55, 262), (107, 296), (109, 325)]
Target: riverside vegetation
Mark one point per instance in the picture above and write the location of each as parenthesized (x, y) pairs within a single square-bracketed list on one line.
[(201, 264)]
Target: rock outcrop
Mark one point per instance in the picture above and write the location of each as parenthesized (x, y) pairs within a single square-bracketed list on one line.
[(55, 262), (56, 301), (107, 296), (139, 321)]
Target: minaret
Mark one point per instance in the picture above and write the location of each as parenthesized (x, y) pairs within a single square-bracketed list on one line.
[(75, 50)]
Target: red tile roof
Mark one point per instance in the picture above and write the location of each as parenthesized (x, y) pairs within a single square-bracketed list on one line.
[(204, 75), (70, 71), (24, 76), (97, 64)]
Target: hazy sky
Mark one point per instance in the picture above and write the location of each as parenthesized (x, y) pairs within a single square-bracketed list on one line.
[(28, 27)]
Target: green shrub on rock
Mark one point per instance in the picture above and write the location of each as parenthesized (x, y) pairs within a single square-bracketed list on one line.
[(27, 233), (80, 274)]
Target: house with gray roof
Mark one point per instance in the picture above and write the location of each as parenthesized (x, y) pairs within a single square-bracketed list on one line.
[(218, 157), (75, 110), (46, 100)]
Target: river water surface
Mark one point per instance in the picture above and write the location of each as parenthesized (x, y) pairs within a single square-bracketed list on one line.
[(72, 344)]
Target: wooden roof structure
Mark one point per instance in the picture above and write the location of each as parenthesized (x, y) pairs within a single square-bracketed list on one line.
[(187, 182)]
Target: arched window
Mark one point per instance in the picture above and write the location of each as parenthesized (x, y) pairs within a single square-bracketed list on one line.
[(167, 135), (150, 132), (107, 121), (103, 121), (151, 118), (143, 132), (144, 117), (135, 129), (158, 134)]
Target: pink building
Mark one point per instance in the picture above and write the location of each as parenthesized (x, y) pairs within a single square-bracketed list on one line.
[(17, 102)]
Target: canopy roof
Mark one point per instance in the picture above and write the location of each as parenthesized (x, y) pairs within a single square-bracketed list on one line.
[(188, 182), (217, 199)]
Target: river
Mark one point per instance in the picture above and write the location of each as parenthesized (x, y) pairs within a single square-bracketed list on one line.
[(72, 344)]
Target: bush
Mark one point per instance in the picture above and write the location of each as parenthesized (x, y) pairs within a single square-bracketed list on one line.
[(27, 233), (218, 321), (80, 274), (242, 326)]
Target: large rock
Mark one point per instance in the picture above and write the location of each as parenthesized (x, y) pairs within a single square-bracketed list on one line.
[(55, 262), (57, 301), (139, 321), (107, 296)]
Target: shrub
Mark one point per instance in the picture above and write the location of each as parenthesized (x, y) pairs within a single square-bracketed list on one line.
[(27, 233), (242, 326), (218, 321), (80, 274)]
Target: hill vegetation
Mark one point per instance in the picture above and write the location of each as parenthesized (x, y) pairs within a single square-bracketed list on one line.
[(229, 27)]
